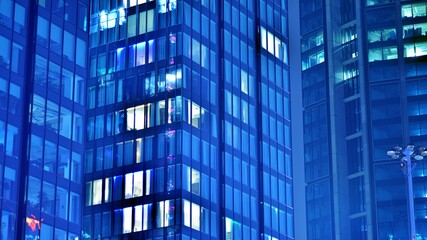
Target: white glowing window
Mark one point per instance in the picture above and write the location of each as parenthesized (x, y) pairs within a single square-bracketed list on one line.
[(148, 177), (128, 185), (103, 19), (139, 150), (131, 3), (127, 220), (168, 212), (162, 6), (244, 81), (160, 214), (137, 184), (145, 214), (195, 216), (140, 53), (97, 192), (195, 115), (187, 210), (112, 16), (139, 118), (195, 182), (107, 190), (263, 38), (137, 226), (277, 47), (130, 123), (229, 228), (186, 183), (270, 39)]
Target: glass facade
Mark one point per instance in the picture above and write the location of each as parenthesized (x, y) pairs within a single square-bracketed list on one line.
[(363, 66), (188, 123), (42, 86)]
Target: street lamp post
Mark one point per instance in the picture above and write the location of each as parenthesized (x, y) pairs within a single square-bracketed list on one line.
[(406, 156)]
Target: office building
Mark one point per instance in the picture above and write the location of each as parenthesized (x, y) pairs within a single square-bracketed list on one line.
[(364, 91), (42, 84), (188, 123)]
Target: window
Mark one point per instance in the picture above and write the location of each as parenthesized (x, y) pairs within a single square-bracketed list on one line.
[(97, 192), (62, 203), (127, 220)]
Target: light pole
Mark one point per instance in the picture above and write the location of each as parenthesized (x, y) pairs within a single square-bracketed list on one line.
[(406, 164)]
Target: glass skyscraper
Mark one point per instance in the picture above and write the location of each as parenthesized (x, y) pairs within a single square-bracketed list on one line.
[(364, 91), (42, 86), (188, 126)]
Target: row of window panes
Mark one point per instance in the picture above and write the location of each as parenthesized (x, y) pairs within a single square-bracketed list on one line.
[(58, 119), (52, 157), (7, 12), (12, 57), (414, 10), (65, 205), (117, 59), (146, 116), (61, 41), (192, 17), (153, 215), (277, 160), (199, 53), (378, 2), (278, 220), (239, 78), (274, 45), (415, 49), (68, 84), (234, 230), (381, 35), (144, 183), (312, 60), (138, 151), (12, 97), (415, 30), (147, 85), (114, 24), (275, 101), (312, 41), (273, 16), (384, 53), (237, 138)]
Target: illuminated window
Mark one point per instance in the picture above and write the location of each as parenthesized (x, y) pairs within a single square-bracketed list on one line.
[(187, 209), (97, 192), (195, 182), (137, 184), (148, 182), (137, 227), (88, 199), (160, 214), (140, 53), (108, 187), (195, 115), (146, 216), (128, 185), (195, 216), (161, 112), (139, 117), (127, 220), (414, 10), (130, 119), (139, 150)]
